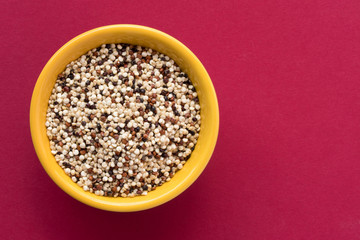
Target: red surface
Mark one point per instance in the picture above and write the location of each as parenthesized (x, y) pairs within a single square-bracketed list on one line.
[(286, 166)]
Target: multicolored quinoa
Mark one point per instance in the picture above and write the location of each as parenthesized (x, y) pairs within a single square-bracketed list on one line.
[(122, 119)]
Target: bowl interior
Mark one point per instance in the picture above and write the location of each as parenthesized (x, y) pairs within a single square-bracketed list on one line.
[(140, 36)]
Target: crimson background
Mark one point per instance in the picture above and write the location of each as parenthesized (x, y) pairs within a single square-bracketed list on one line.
[(286, 165)]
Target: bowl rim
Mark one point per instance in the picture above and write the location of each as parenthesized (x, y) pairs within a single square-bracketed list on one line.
[(35, 131)]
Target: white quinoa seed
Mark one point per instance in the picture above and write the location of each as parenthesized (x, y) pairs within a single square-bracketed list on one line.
[(122, 120)]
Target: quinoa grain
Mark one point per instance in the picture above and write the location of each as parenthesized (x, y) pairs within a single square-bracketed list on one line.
[(122, 120)]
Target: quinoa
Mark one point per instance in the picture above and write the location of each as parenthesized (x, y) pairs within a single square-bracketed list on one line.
[(122, 120)]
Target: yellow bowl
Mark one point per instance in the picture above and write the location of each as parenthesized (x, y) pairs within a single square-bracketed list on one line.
[(137, 35)]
